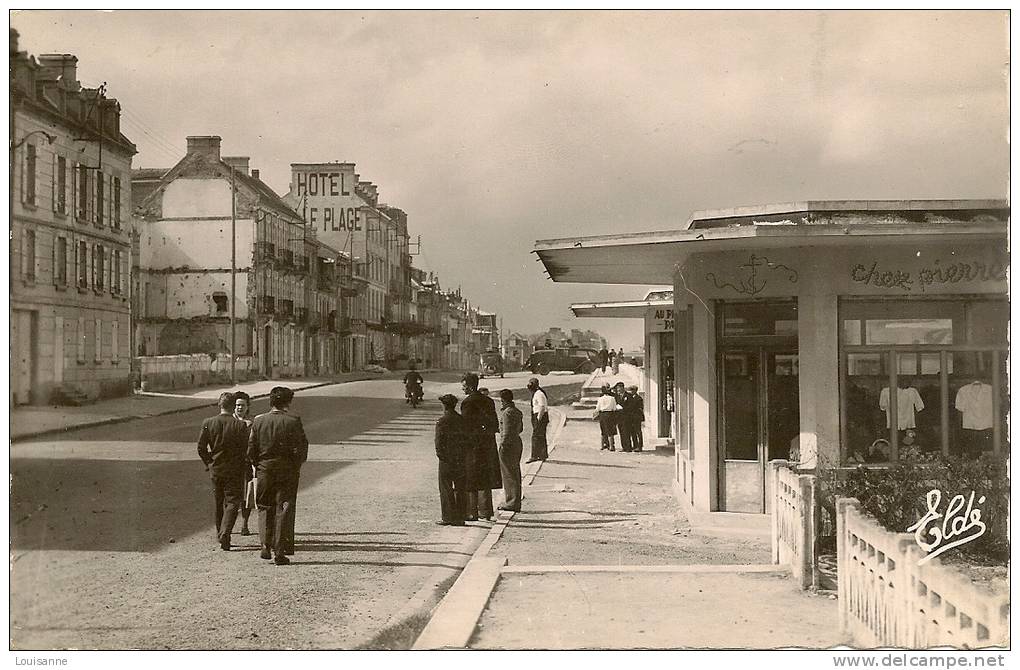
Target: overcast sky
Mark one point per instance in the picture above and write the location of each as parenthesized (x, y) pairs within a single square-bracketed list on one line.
[(494, 129)]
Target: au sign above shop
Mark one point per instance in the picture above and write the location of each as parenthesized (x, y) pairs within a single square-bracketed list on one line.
[(660, 320)]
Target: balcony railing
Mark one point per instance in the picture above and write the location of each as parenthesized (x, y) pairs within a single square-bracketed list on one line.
[(345, 325), (265, 251), (266, 304), (284, 259), (314, 320), (325, 281), (285, 308), (301, 315)]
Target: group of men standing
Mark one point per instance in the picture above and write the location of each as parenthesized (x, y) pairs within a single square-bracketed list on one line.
[(480, 449), (255, 461), (621, 410), (610, 359)]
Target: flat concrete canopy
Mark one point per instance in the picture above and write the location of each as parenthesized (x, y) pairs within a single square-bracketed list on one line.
[(631, 309), (653, 257)]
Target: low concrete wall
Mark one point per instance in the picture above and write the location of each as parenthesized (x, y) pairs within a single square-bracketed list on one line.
[(160, 373), (793, 521), (887, 600)]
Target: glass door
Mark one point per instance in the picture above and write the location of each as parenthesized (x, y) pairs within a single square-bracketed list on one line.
[(760, 422)]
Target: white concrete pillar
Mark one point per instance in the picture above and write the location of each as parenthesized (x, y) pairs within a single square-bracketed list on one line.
[(818, 337)]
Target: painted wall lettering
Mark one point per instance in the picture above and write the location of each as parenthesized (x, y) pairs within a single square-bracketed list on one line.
[(934, 274)]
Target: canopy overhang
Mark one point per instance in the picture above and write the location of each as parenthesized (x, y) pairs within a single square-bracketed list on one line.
[(628, 309), (654, 257)]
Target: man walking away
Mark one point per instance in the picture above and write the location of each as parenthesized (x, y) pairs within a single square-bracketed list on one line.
[(450, 446), (539, 422), (482, 460), (616, 357), (603, 359), (242, 412), (277, 447), (511, 425), (221, 448), (634, 416)]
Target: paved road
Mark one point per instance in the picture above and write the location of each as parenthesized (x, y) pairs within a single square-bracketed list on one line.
[(113, 544)]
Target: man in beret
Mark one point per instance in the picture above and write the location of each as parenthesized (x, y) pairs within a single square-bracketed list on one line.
[(277, 447), (450, 446), (221, 445)]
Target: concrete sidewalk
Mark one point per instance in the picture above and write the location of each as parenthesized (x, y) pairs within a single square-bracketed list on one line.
[(34, 421), (601, 557)]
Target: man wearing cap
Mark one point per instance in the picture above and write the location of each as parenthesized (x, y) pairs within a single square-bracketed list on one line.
[(511, 425), (450, 447), (221, 445), (634, 416), (277, 447), (622, 426), (539, 422), (481, 463)]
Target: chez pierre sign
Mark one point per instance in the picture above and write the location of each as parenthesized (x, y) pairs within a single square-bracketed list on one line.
[(919, 277)]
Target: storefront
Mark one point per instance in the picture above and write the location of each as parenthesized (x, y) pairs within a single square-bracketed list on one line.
[(794, 321), (656, 315)]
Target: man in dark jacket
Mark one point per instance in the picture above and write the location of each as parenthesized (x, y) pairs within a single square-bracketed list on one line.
[(603, 359), (481, 463), (450, 445), (634, 416), (242, 412), (221, 446), (622, 425), (277, 447)]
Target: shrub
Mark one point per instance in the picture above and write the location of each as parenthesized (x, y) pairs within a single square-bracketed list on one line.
[(896, 496)]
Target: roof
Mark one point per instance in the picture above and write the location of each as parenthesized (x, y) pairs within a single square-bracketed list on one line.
[(651, 257), (626, 309)]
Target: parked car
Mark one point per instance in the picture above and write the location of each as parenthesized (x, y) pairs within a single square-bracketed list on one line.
[(490, 363), (570, 359)]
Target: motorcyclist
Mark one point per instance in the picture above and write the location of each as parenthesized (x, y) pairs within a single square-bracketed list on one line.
[(412, 384)]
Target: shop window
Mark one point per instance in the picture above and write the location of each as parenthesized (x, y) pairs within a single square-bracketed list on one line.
[(759, 318), (947, 360)]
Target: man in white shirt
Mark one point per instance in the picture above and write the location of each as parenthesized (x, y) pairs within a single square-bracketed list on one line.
[(539, 422)]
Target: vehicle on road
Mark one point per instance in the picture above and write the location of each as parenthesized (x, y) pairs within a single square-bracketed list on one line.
[(490, 364), (570, 359)]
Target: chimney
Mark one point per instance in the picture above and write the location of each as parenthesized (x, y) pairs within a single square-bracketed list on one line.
[(66, 64), (255, 174), (205, 145), (239, 163)]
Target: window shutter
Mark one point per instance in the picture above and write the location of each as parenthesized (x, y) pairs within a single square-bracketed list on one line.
[(73, 202), (124, 274), (23, 162), (99, 340), (114, 343), (54, 273), (69, 260), (53, 184), (92, 267)]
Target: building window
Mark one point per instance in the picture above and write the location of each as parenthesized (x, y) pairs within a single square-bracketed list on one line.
[(29, 260), (83, 265), (116, 203), (115, 260), (82, 187), (60, 195), (99, 341), (60, 262), (220, 302), (98, 267), (100, 201), (80, 338), (947, 360), (29, 181)]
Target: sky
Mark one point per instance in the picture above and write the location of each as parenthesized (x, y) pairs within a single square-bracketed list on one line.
[(496, 129)]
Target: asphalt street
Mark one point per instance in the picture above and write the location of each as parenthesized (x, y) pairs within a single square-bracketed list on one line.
[(113, 545)]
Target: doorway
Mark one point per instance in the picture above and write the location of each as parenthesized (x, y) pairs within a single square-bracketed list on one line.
[(267, 352), (23, 354), (666, 389), (759, 403)]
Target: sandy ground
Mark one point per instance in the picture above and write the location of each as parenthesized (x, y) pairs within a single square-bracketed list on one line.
[(653, 611)]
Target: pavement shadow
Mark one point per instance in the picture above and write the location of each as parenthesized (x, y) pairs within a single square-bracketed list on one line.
[(553, 461), (92, 505)]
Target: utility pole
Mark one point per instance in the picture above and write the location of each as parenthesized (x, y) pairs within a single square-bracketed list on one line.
[(233, 273)]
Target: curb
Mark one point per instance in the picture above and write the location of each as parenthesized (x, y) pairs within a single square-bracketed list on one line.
[(134, 417), (454, 621)]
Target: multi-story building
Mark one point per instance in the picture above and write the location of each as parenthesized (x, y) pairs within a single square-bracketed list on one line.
[(185, 276), (487, 331), (70, 196), (516, 350)]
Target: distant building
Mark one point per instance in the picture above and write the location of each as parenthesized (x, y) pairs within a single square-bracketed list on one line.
[(69, 235), (288, 311)]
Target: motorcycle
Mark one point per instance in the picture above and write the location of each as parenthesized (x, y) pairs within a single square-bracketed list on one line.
[(413, 394)]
